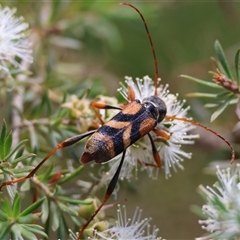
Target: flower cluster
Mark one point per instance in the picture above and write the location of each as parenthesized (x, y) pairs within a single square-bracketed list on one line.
[(223, 206), (169, 150), (85, 116), (126, 228), (13, 41)]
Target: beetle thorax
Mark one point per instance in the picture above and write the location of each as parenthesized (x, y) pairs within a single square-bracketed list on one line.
[(156, 106)]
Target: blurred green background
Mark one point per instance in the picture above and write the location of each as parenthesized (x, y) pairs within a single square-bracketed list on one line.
[(81, 43)]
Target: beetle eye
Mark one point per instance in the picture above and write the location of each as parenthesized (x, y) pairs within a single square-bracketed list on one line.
[(152, 109), (161, 114)]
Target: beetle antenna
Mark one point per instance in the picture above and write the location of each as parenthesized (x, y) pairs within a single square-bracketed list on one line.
[(151, 44), (206, 128)]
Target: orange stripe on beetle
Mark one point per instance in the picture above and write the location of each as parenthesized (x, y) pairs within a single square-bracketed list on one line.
[(132, 108), (127, 137), (117, 124), (99, 147), (147, 125)]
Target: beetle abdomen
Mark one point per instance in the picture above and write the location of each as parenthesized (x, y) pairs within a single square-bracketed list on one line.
[(124, 129)]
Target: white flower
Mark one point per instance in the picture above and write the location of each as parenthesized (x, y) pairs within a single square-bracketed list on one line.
[(13, 42), (222, 209), (140, 153), (129, 229), (169, 150)]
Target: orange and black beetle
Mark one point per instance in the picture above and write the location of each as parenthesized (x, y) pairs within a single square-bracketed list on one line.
[(133, 122)]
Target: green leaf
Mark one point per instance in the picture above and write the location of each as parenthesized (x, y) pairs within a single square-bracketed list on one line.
[(25, 186), (22, 158), (67, 209), (33, 137), (222, 58), (204, 95), (16, 208), (48, 105), (6, 207), (224, 94), (16, 232), (22, 170), (62, 228), (220, 109), (5, 165), (5, 230), (32, 207), (12, 190), (211, 105), (2, 140), (234, 101), (7, 171), (27, 234), (45, 102), (8, 144), (38, 109), (45, 210), (237, 65), (56, 7), (20, 151), (34, 228), (47, 175), (75, 220), (3, 216), (72, 201), (55, 217), (72, 175), (29, 218), (16, 148), (203, 82)]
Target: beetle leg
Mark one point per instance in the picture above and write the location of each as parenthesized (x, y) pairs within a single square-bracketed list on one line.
[(158, 163), (164, 135), (156, 156), (100, 105), (108, 193), (65, 143)]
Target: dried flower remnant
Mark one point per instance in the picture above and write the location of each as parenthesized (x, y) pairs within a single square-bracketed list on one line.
[(80, 110), (225, 82)]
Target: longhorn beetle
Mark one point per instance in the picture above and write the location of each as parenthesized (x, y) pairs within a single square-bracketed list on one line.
[(135, 120)]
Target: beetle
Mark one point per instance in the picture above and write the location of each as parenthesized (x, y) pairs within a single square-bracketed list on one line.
[(135, 120)]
